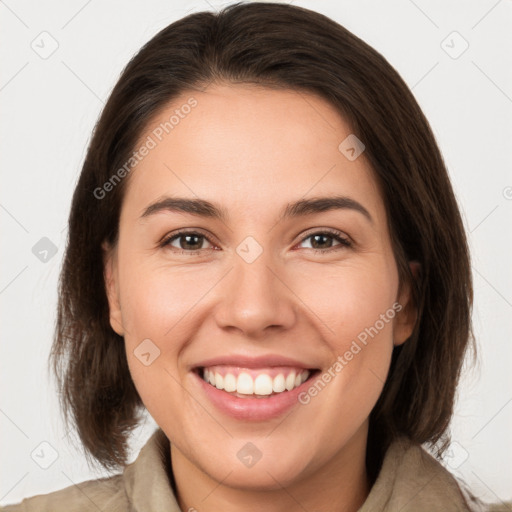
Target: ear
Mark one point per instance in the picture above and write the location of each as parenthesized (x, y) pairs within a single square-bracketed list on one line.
[(110, 274), (407, 315)]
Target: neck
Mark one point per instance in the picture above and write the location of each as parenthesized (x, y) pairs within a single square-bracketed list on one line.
[(341, 484)]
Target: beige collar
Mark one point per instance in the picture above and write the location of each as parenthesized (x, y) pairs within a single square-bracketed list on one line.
[(410, 480)]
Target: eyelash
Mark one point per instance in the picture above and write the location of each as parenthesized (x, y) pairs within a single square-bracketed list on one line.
[(344, 242)]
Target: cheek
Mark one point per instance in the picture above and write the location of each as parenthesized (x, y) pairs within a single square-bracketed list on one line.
[(155, 300), (351, 299), (161, 309), (355, 310), (154, 310)]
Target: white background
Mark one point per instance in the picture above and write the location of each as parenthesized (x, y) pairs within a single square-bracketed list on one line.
[(49, 107)]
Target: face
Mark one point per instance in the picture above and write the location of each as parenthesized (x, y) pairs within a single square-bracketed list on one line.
[(290, 314)]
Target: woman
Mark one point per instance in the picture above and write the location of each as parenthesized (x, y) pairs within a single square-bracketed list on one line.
[(264, 252)]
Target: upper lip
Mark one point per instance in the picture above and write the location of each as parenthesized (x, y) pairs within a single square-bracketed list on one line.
[(245, 361)]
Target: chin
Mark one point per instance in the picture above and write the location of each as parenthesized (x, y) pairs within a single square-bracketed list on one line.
[(264, 476), (249, 468)]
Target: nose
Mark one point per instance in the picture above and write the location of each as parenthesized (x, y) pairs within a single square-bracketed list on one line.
[(256, 298)]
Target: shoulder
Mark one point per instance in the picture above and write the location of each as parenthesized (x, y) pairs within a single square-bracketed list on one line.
[(440, 482), (500, 507), (143, 485), (101, 494), (447, 482), (412, 480)]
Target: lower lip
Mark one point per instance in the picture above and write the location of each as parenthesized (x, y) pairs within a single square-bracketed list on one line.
[(253, 409)]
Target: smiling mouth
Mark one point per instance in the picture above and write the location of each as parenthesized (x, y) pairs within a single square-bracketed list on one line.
[(255, 383)]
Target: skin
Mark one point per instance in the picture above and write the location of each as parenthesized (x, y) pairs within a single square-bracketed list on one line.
[(253, 150)]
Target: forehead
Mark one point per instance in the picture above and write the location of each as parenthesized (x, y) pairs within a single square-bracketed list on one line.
[(248, 147)]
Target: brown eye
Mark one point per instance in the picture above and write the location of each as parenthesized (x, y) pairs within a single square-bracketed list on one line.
[(323, 241), (187, 241)]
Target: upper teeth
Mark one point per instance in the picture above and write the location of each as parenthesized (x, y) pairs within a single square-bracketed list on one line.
[(261, 384)]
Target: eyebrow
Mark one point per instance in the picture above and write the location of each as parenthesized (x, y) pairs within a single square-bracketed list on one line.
[(302, 207)]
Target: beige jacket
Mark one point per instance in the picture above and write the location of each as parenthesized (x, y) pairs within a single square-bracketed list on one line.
[(410, 480)]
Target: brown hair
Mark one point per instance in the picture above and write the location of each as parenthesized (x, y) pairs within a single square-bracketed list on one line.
[(274, 45)]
